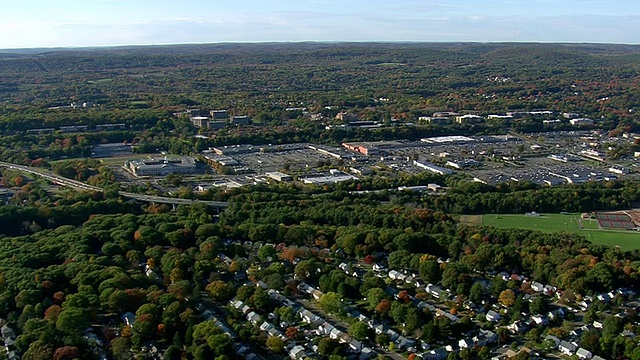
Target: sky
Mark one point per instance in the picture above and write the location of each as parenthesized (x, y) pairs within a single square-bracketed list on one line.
[(75, 23)]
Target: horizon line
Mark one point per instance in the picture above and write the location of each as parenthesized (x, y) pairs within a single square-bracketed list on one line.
[(89, 47)]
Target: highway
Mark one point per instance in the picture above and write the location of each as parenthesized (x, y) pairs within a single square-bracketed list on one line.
[(59, 180)]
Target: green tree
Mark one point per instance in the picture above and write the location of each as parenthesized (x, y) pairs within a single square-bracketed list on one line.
[(72, 321), (275, 344), (39, 350), (332, 303), (360, 331), (220, 291)]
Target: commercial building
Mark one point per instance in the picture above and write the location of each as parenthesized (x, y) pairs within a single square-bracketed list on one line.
[(432, 167), (468, 119), (581, 121), (112, 149), (278, 176), (371, 148), (200, 121), (162, 167), (435, 120), (335, 176), (444, 140), (240, 120), (108, 127), (219, 114)]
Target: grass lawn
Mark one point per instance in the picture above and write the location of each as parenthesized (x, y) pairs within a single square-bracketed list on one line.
[(627, 240)]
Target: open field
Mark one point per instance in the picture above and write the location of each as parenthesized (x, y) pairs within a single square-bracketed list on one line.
[(627, 240)]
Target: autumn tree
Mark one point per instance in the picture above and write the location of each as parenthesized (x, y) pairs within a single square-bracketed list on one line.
[(507, 297)]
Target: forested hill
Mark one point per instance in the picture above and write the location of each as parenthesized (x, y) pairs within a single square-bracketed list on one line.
[(451, 75)]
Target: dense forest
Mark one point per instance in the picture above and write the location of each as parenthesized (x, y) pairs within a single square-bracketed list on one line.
[(79, 261)]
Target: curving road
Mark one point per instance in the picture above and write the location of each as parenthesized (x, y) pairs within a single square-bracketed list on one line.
[(63, 181)]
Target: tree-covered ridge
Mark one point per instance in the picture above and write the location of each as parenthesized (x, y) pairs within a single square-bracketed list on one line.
[(246, 77)]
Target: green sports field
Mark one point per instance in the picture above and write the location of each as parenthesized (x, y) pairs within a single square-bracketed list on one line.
[(627, 240)]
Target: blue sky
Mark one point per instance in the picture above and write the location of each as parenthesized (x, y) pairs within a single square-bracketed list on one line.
[(53, 23)]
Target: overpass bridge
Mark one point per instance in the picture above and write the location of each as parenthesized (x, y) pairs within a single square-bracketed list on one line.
[(63, 181)]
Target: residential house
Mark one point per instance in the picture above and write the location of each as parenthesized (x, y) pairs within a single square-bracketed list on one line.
[(584, 354), (549, 290), (540, 320), (485, 337), (265, 326), (392, 335), (128, 318), (537, 287), (355, 345), (367, 354), (552, 339), (465, 343), (629, 334), (309, 317), (437, 292), (253, 318), (598, 324), (276, 333), (567, 348), (326, 328), (297, 352), (404, 343), (335, 334), (493, 316), (512, 354), (379, 267), (517, 327), (556, 314), (317, 294), (396, 275), (436, 354)]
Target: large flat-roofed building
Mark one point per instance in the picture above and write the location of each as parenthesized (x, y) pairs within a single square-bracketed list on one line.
[(219, 114), (240, 120), (279, 176), (371, 148), (162, 167), (432, 167), (581, 121), (200, 121), (443, 140), (107, 127), (468, 119), (236, 149), (113, 149), (215, 125), (445, 114), (74, 128), (435, 120), (334, 176)]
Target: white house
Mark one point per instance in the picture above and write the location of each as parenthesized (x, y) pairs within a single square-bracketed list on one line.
[(567, 348), (584, 354), (537, 287), (297, 352)]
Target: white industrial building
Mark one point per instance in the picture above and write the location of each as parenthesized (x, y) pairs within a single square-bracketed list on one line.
[(161, 167)]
